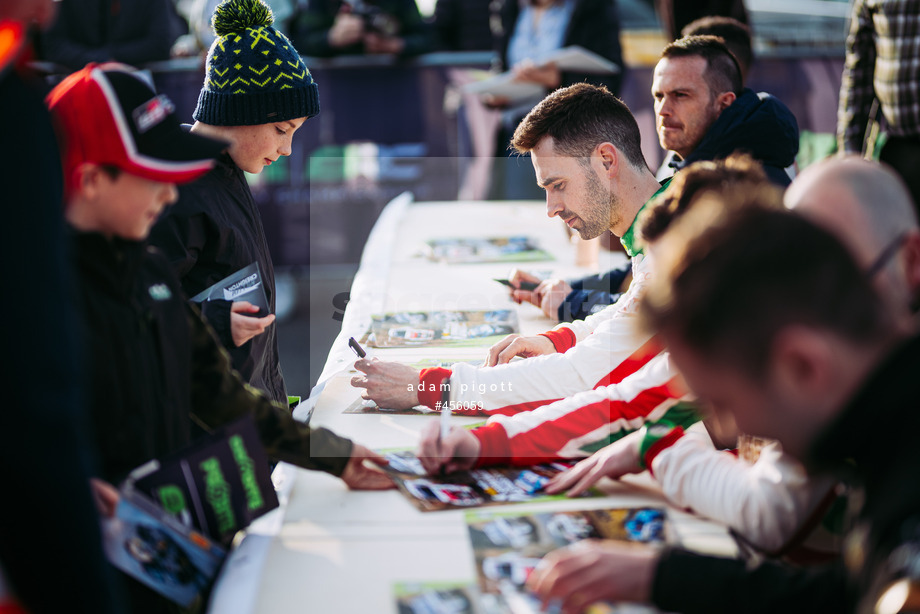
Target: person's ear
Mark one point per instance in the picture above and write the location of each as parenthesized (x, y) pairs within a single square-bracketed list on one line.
[(800, 363), (725, 100), (609, 158), (88, 179)]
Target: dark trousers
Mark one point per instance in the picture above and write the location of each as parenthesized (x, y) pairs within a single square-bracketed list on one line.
[(903, 155)]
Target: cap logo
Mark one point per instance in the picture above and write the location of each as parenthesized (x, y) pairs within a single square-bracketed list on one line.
[(152, 113)]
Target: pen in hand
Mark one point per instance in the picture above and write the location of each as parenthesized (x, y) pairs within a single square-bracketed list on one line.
[(356, 347), (444, 418)]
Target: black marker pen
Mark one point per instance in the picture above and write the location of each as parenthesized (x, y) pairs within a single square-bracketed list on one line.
[(356, 347)]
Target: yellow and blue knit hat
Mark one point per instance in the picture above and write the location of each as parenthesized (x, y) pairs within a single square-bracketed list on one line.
[(254, 74)]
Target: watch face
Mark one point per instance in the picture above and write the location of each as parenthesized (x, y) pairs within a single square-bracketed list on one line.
[(659, 430)]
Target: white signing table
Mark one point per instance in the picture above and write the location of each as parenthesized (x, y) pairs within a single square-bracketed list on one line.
[(329, 550)]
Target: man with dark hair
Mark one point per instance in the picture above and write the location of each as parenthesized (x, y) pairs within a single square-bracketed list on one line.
[(720, 71), (567, 136), (584, 145), (580, 298), (702, 111), (605, 118), (770, 317), (735, 35)]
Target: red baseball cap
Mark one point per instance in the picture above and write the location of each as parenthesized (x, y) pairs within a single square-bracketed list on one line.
[(107, 114)]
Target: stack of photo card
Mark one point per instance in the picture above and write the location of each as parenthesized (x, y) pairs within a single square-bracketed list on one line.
[(468, 250), (474, 488), (148, 544), (442, 328), (508, 546)]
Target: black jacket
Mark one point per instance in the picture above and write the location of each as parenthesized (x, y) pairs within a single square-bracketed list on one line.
[(463, 25), (130, 31), (595, 25), (872, 445), (758, 124), (215, 230), (45, 462), (154, 365)]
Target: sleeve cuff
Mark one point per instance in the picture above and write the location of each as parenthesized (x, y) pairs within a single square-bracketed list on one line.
[(658, 437), (563, 338), (429, 386), (494, 446), (330, 452), (217, 313)]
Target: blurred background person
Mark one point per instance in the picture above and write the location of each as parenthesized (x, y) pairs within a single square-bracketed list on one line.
[(464, 25), (530, 30), (882, 73), (132, 31), (324, 28), (675, 15), (200, 33)]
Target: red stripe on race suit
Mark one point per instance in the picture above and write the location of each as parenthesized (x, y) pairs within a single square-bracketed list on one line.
[(545, 440), (630, 365)]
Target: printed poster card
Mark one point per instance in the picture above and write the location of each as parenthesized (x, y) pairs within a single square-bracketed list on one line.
[(508, 546), (218, 485), (473, 488), (435, 598), (244, 285), (469, 250), (475, 328), (155, 548)]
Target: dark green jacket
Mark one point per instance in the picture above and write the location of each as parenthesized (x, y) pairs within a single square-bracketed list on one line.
[(154, 365)]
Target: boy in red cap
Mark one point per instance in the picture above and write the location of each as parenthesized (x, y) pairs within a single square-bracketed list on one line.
[(153, 362)]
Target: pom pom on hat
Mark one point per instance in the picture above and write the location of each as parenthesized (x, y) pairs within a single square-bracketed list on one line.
[(234, 16)]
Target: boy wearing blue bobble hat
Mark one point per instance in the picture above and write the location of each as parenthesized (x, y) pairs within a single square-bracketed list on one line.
[(257, 92)]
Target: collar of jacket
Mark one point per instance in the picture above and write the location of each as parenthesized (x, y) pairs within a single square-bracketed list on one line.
[(759, 124), (226, 166), (880, 420), (112, 263), (629, 240)]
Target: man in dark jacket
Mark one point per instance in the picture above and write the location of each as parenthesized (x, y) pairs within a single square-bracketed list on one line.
[(804, 351), (702, 112)]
